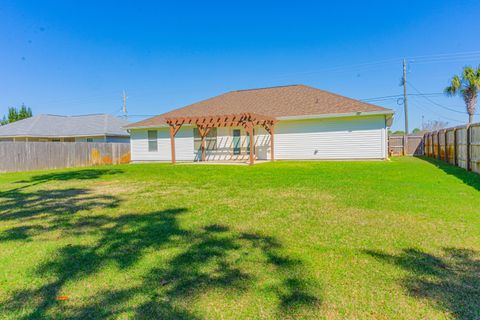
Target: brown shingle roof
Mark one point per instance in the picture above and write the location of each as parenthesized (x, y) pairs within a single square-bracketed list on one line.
[(285, 101)]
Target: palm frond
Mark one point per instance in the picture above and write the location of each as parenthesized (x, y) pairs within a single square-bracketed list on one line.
[(468, 74), (454, 86)]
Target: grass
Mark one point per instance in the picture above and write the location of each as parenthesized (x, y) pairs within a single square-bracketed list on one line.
[(324, 240)]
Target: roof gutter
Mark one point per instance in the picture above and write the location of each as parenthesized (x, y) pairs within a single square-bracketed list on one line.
[(153, 126), (338, 115), (387, 113), (64, 136)]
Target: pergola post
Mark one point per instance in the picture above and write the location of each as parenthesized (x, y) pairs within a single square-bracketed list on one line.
[(203, 147), (203, 131), (272, 144), (172, 142), (252, 144)]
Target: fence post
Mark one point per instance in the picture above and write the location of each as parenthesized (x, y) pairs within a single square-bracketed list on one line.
[(468, 148), (430, 136), (446, 145), (455, 160)]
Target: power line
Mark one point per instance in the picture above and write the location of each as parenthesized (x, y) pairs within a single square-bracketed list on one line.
[(400, 95), (448, 54), (438, 104), (425, 108), (443, 57)]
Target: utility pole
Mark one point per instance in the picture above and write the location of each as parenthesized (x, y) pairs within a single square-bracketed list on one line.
[(124, 96), (405, 106)]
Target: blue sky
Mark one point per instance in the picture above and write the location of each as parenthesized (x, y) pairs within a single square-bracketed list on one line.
[(76, 57)]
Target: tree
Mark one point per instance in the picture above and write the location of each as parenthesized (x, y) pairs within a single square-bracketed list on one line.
[(24, 112), (12, 115), (466, 85), (434, 125), (416, 130), (15, 115)]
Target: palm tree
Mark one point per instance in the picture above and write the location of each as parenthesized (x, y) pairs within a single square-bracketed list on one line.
[(467, 85)]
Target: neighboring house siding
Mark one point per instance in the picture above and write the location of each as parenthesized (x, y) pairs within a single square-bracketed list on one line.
[(339, 138), (90, 139), (116, 139)]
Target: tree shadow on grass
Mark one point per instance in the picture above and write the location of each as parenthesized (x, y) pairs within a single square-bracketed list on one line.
[(470, 178), (18, 203), (206, 259), (84, 174), (451, 281)]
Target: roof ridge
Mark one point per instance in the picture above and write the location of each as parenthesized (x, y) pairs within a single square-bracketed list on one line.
[(272, 87), (344, 97), (71, 116)]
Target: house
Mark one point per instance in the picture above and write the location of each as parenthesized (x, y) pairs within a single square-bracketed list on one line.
[(295, 122), (84, 128)]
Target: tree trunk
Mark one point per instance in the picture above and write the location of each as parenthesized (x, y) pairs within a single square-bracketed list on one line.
[(470, 99)]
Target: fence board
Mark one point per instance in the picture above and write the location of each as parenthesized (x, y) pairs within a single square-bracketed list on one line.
[(475, 148), (415, 145), (25, 156), (462, 147), (459, 146)]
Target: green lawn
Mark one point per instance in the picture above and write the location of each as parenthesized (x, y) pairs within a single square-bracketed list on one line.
[(398, 239)]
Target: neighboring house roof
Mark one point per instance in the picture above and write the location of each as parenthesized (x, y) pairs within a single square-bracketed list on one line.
[(47, 125), (278, 102)]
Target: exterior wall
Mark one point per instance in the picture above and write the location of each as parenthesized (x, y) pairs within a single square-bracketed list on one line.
[(335, 138), (117, 139), (183, 145), (224, 150), (94, 139)]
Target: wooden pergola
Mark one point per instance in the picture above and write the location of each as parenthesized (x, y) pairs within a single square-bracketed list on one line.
[(206, 123)]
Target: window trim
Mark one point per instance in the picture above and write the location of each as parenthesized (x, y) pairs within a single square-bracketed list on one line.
[(237, 150), (152, 141)]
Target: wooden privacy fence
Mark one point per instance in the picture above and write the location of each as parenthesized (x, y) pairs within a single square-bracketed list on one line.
[(415, 145), (459, 146), (24, 156)]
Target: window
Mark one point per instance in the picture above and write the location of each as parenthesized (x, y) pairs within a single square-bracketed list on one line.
[(89, 139), (210, 140), (236, 141), (152, 141)]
